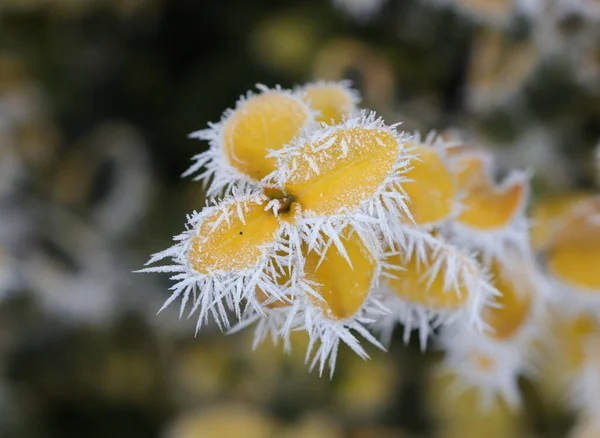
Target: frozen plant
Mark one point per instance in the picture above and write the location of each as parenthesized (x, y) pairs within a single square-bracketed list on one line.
[(328, 220)]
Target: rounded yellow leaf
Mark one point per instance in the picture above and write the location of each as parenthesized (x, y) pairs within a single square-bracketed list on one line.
[(548, 215), (264, 122), (334, 101), (344, 288), (432, 192), (224, 421), (413, 283), (376, 74), (577, 265), (335, 173), (487, 207), (574, 256), (515, 305), (462, 414), (572, 336), (235, 244)]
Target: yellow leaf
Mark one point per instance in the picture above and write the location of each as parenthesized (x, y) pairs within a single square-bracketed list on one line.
[(574, 256), (432, 192), (263, 122), (339, 56), (344, 288), (515, 302), (572, 335), (333, 100), (233, 245), (548, 215), (413, 284), (462, 416), (486, 206), (224, 421), (337, 173)]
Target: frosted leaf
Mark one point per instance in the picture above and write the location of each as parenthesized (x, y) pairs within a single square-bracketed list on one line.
[(488, 206), (513, 308), (227, 252), (433, 193), (429, 283), (340, 295), (568, 339), (465, 413), (347, 174), (329, 302), (333, 100), (492, 215), (572, 258), (492, 360), (492, 370), (584, 393), (240, 142), (549, 214)]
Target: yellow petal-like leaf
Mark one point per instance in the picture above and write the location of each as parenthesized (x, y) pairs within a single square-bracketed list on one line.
[(413, 283), (333, 100), (462, 415), (549, 214), (487, 207), (432, 192), (266, 121), (341, 55), (236, 244), (574, 257), (344, 288), (515, 303), (572, 336), (338, 172), (223, 421)]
